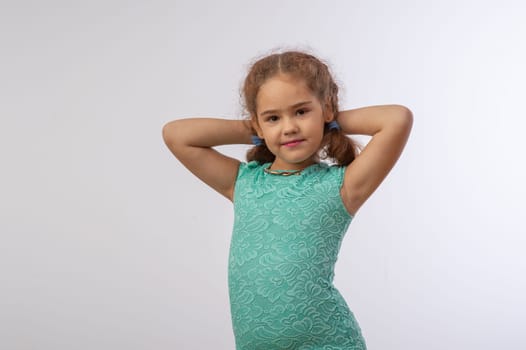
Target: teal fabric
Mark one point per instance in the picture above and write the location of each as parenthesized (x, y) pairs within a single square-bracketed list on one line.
[(285, 242)]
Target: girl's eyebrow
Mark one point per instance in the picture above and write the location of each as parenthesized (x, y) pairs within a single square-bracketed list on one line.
[(293, 106)]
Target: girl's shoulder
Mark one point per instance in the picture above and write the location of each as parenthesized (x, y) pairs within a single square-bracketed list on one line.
[(245, 168), (324, 169), (332, 172)]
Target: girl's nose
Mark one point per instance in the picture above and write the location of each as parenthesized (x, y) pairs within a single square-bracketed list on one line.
[(289, 126)]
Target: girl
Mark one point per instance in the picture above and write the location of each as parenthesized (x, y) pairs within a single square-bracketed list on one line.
[(291, 210)]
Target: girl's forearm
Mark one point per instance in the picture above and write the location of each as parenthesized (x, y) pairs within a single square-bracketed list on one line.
[(372, 119), (207, 132)]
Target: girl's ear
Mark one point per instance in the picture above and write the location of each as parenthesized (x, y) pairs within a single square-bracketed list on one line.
[(328, 114), (256, 127)]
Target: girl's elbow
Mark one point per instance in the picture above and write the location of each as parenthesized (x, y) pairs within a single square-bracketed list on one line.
[(169, 131), (404, 117), (170, 134)]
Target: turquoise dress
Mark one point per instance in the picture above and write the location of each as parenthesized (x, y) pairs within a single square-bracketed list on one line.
[(285, 242)]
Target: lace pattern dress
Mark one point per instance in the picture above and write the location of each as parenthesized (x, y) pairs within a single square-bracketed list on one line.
[(285, 242)]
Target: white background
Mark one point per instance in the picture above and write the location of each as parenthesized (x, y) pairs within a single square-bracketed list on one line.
[(107, 242)]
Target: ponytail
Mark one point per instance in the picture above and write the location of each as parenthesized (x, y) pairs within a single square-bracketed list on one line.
[(261, 154), (260, 151), (339, 147)]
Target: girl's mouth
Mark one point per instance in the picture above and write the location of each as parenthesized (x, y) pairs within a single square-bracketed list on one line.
[(292, 143)]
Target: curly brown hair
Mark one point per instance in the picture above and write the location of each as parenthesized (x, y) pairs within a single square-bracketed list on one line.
[(335, 144)]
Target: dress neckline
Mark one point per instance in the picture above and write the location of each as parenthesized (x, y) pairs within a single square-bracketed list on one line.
[(292, 172)]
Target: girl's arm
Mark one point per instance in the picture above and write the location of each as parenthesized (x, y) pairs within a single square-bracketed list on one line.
[(390, 126), (191, 141)]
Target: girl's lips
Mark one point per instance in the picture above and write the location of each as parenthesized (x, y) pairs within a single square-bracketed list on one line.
[(292, 143)]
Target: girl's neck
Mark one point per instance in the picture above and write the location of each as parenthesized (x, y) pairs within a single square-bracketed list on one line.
[(280, 165)]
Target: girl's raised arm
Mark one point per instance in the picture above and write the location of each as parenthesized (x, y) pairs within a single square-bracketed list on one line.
[(390, 126), (191, 141)]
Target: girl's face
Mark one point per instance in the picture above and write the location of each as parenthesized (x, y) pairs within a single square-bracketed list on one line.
[(291, 121)]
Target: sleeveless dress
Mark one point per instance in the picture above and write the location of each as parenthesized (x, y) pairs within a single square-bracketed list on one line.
[(285, 242)]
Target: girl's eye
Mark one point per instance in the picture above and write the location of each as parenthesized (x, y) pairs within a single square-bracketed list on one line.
[(301, 111), (272, 118)]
